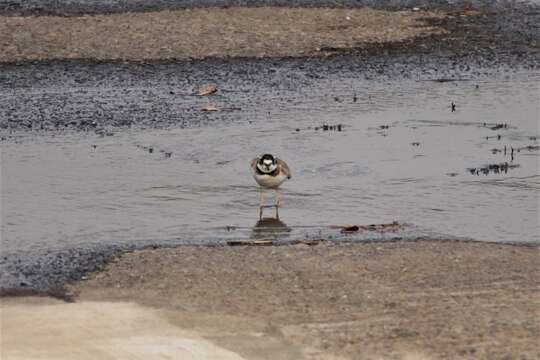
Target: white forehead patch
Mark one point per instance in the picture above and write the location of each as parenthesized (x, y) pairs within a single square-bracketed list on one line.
[(267, 162)]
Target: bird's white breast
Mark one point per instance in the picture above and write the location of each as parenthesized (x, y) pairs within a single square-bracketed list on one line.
[(269, 181)]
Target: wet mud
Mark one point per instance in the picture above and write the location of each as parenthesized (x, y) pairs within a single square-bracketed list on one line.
[(45, 274), (97, 98)]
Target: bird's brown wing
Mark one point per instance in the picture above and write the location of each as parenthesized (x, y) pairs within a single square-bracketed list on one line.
[(253, 164), (284, 167)]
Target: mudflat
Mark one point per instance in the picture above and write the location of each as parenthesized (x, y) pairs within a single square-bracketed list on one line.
[(396, 300), (200, 33)]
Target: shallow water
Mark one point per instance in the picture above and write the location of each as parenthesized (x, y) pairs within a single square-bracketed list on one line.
[(61, 191)]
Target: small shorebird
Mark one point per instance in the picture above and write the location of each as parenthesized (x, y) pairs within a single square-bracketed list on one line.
[(269, 172)]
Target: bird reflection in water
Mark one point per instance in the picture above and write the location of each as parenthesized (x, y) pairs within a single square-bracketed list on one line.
[(270, 228)]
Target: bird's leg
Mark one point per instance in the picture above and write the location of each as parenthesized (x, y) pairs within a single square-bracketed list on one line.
[(277, 204), (261, 204)]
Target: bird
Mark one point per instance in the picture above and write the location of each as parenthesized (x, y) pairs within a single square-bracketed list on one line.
[(269, 172)]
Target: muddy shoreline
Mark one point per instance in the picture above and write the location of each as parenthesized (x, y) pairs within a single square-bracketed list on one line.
[(80, 108), (475, 299), (402, 300), (48, 274)]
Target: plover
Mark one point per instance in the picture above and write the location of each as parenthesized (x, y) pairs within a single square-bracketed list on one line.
[(269, 172)]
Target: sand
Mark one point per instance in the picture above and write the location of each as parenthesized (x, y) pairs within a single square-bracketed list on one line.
[(200, 33), (394, 300), (50, 329), (402, 300)]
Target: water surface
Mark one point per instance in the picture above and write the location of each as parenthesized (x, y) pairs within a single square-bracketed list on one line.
[(402, 155)]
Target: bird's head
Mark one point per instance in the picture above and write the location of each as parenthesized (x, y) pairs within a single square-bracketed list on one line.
[(267, 164)]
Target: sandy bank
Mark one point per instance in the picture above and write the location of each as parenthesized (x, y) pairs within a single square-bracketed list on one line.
[(200, 33), (436, 300), (50, 329)]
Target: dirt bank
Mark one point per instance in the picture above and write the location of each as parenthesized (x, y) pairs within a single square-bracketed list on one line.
[(436, 300), (200, 33)]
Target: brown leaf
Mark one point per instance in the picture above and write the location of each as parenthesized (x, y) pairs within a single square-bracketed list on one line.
[(210, 108), (208, 91)]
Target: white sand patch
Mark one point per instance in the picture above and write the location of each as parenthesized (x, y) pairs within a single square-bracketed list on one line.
[(97, 330)]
